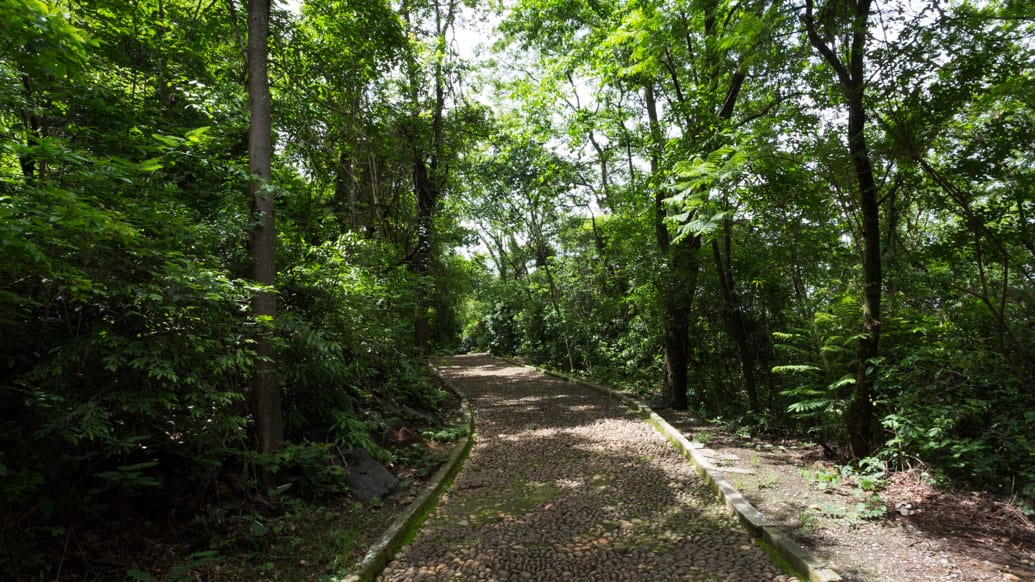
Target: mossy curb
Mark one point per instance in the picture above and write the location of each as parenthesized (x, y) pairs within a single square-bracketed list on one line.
[(405, 526), (805, 564)]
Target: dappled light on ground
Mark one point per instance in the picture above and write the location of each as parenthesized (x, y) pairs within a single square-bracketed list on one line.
[(563, 483)]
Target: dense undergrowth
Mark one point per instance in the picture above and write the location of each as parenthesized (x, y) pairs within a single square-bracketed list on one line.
[(948, 403), (127, 337)]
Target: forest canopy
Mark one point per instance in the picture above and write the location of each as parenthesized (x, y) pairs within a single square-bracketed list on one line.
[(808, 218)]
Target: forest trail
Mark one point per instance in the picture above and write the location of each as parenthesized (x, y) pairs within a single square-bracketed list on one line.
[(565, 483)]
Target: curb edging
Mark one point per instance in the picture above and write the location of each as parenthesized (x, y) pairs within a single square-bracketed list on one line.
[(801, 559), (382, 551)]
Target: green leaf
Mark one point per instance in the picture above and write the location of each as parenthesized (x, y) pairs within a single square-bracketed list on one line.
[(150, 165), (846, 380), (141, 576)]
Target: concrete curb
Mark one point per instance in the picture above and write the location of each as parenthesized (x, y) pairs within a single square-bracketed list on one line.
[(379, 554), (800, 559)]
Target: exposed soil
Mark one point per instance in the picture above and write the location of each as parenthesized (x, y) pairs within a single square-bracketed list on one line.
[(924, 534)]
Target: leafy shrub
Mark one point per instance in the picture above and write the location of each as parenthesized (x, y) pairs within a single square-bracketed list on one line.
[(311, 469), (954, 405)]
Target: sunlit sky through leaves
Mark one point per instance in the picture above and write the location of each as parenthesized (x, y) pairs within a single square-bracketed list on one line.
[(472, 37)]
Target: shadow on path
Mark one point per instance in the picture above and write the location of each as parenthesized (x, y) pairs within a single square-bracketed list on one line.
[(564, 483)]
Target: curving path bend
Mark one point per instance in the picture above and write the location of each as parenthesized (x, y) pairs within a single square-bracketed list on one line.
[(564, 483)]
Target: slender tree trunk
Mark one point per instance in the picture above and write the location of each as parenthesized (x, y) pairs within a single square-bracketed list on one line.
[(677, 278), (344, 204), (426, 196), (265, 390), (858, 417), (736, 322), (427, 175)]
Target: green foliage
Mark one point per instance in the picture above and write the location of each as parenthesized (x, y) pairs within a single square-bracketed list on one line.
[(494, 322), (421, 459), (127, 476), (182, 572), (773, 190), (957, 408), (126, 336), (344, 344), (864, 480), (807, 521), (126, 333), (447, 434), (823, 357), (40, 40), (309, 469)]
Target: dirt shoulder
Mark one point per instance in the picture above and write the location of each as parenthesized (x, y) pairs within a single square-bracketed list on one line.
[(910, 532)]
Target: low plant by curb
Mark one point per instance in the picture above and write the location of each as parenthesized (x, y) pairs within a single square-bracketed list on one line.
[(405, 526)]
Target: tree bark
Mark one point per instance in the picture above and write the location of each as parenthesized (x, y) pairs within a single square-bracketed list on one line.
[(736, 322), (858, 417), (428, 181), (426, 195), (265, 389), (677, 277)]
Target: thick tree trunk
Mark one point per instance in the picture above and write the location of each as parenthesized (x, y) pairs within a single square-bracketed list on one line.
[(678, 292), (859, 414), (265, 390)]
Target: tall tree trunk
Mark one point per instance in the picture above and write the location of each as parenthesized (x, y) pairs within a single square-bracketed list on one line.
[(344, 203), (851, 79), (678, 292), (733, 315), (427, 172), (677, 278), (426, 194), (265, 390)]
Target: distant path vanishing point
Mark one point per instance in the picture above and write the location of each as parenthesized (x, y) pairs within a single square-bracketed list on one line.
[(564, 483)]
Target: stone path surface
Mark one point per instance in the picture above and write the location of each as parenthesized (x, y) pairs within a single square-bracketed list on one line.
[(564, 483)]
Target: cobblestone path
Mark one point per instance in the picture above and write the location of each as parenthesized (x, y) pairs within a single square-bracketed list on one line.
[(564, 483)]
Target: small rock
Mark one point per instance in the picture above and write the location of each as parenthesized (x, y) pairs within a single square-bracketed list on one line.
[(366, 477)]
